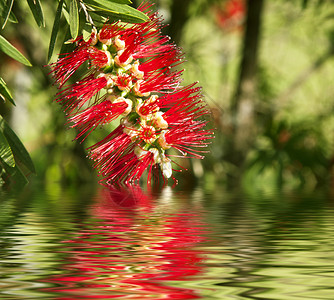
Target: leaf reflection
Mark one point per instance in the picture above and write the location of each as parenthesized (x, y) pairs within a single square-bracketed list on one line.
[(129, 248)]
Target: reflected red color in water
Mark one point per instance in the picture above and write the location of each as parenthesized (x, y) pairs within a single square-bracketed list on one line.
[(130, 248)]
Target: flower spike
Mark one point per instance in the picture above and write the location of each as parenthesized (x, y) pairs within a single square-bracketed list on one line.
[(131, 76)]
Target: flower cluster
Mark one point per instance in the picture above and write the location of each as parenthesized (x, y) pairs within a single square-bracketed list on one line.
[(131, 75)]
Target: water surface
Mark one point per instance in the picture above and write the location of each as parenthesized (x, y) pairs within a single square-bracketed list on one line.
[(168, 244)]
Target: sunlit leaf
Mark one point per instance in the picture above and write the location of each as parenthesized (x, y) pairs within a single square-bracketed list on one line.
[(18, 149), (74, 18), (66, 15), (6, 153), (11, 51), (37, 11), (55, 29), (7, 8), (121, 1), (4, 92), (119, 11), (86, 32)]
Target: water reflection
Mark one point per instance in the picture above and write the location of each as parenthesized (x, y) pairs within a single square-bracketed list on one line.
[(127, 243), (128, 247)]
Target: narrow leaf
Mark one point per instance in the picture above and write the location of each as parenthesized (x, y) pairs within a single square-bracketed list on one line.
[(74, 18), (4, 92), (11, 51), (17, 178), (55, 29), (123, 12), (6, 12), (66, 15), (3, 8), (36, 9), (121, 1), (16, 146), (6, 153), (86, 32)]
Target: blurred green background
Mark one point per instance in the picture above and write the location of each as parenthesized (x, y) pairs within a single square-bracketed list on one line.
[(266, 68)]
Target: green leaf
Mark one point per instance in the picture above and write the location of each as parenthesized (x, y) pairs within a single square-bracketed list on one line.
[(55, 29), (120, 11), (66, 15), (11, 51), (7, 8), (3, 8), (16, 146), (36, 9), (121, 1), (6, 153), (17, 178), (86, 32), (4, 92), (74, 19)]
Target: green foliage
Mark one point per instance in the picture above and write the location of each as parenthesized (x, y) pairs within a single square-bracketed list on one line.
[(11, 51), (5, 10), (288, 151), (81, 17), (36, 9), (12, 154), (4, 92)]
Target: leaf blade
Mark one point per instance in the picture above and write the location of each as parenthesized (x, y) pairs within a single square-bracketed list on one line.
[(5, 93), (6, 153), (124, 12), (11, 51), (37, 11), (55, 29), (74, 19), (6, 13), (17, 148)]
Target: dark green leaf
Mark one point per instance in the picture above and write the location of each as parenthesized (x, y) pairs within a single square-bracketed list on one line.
[(6, 153), (74, 18), (4, 92), (36, 9), (7, 8), (18, 149), (120, 11), (17, 178), (55, 29), (11, 51), (67, 47)]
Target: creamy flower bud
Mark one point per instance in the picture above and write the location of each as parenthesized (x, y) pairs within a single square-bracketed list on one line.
[(93, 37), (166, 166), (162, 140), (128, 102), (135, 71), (120, 44), (137, 91), (159, 120), (139, 152), (122, 64), (156, 155)]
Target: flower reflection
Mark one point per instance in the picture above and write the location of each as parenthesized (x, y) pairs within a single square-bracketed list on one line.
[(132, 247)]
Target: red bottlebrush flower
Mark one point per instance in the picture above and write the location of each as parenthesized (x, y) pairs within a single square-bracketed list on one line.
[(131, 75)]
